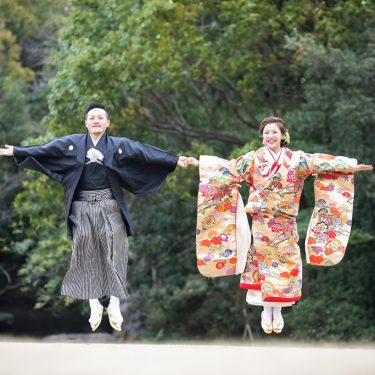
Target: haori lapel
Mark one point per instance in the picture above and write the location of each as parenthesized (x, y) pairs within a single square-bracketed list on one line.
[(81, 149), (108, 156)]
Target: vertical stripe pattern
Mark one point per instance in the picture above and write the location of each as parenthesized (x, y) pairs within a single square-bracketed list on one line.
[(100, 248)]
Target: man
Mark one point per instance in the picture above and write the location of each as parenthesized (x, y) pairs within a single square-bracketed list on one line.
[(93, 168)]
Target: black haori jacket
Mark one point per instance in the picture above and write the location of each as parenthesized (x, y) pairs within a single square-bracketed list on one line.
[(137, 167)]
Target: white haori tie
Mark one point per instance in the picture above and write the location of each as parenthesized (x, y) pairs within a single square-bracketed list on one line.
[(94, 156)]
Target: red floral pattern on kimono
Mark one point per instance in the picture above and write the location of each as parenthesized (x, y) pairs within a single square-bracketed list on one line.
[(331, 221), (218, 218), (274, 264)]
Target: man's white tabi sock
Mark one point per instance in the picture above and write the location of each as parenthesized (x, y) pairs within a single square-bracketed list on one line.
[(96, 311), (95, 304), (114, 308)]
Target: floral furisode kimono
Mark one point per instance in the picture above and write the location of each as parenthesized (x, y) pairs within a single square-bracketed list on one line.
[(271, 266)]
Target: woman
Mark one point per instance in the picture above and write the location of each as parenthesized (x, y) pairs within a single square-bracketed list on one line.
[(271, 268)]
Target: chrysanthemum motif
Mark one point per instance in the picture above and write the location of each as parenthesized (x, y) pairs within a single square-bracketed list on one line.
[(94, 156)]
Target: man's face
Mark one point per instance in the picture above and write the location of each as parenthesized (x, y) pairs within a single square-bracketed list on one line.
[(96, 121)]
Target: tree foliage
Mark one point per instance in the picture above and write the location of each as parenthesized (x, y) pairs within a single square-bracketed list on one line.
[(27, 39), (196, 77)]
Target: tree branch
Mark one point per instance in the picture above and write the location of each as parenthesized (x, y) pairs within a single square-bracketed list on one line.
[(192, 133)]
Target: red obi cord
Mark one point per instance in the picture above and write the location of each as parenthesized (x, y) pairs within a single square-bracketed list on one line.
[(281, 299)]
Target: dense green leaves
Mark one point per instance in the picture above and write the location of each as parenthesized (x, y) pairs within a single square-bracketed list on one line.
[(27, 39), (196, 77), (337, 298)]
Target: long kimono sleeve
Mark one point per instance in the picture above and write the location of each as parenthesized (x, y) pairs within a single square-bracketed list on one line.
[(242, 167), (147, 154), (223, 234), (323, 163), (330, 224), (51, 158), (142, 168)]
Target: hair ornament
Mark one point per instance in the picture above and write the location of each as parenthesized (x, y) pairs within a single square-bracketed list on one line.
[(286, 137)]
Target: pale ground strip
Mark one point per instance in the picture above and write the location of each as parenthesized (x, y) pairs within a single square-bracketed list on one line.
[(19, 358)]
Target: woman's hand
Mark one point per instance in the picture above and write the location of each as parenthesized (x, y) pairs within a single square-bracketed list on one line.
[(184, 161), (363, 167), (193, 161), (7, 151)]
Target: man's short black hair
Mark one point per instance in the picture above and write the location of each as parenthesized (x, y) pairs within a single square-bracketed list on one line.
[(96, 105)]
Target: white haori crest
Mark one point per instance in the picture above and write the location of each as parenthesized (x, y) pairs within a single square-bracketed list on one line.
[(94, 156)]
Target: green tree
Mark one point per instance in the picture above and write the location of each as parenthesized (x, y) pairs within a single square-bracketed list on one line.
[(27, 39), (196, 77)]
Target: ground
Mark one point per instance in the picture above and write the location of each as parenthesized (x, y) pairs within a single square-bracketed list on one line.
[(59, 358)]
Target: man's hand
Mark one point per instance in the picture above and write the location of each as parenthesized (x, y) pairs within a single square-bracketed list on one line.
[(7, 151), (183, 161), (363, 167)]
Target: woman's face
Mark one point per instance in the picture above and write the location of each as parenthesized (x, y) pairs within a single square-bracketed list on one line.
[(272, 137)]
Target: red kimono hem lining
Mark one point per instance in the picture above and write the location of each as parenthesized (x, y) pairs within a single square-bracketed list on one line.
[(250, 286), (281, 299), (269, 299)]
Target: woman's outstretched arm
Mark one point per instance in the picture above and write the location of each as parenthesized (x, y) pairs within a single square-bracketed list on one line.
[(363, 167)]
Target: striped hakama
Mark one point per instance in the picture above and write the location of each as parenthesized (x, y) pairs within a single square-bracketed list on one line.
[(100, 248)]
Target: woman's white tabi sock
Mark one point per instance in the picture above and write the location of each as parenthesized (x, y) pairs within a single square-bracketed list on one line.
[(276, 312), (278, 321), (267, 314), (266, 320)]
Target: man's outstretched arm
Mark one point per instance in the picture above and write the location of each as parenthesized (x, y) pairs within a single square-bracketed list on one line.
[(7, 151)]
